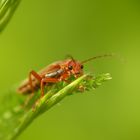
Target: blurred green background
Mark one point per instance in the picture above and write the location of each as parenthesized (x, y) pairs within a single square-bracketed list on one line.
[(42, 32)]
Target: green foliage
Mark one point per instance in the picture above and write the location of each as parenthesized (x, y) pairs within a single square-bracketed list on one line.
[(7, 9), (15, 117)]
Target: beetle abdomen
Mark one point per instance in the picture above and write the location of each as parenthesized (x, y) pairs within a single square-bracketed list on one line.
[(25, 87)]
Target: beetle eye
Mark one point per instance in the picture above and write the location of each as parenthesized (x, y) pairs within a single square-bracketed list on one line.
[(82, 66), (70, 67)]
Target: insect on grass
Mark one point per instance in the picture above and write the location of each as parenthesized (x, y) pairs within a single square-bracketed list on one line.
[(54, 73)]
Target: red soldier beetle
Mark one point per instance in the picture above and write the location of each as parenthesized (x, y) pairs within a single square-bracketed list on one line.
[(55, 72)]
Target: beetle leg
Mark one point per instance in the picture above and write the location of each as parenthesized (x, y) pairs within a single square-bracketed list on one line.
[(64, 78), (47, 80), (36, 75)]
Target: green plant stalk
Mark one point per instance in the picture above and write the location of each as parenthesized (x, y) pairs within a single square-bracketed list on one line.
[(4, 7), (43, 105), (7, 9), (22, 118)]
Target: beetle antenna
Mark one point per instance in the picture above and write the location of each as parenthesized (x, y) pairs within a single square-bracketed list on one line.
[(69, 56), (99, 56)]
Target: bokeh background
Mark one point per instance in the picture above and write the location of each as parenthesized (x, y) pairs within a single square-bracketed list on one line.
[(44, 31)]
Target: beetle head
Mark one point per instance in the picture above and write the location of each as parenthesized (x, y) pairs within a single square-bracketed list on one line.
[(74, 67)]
